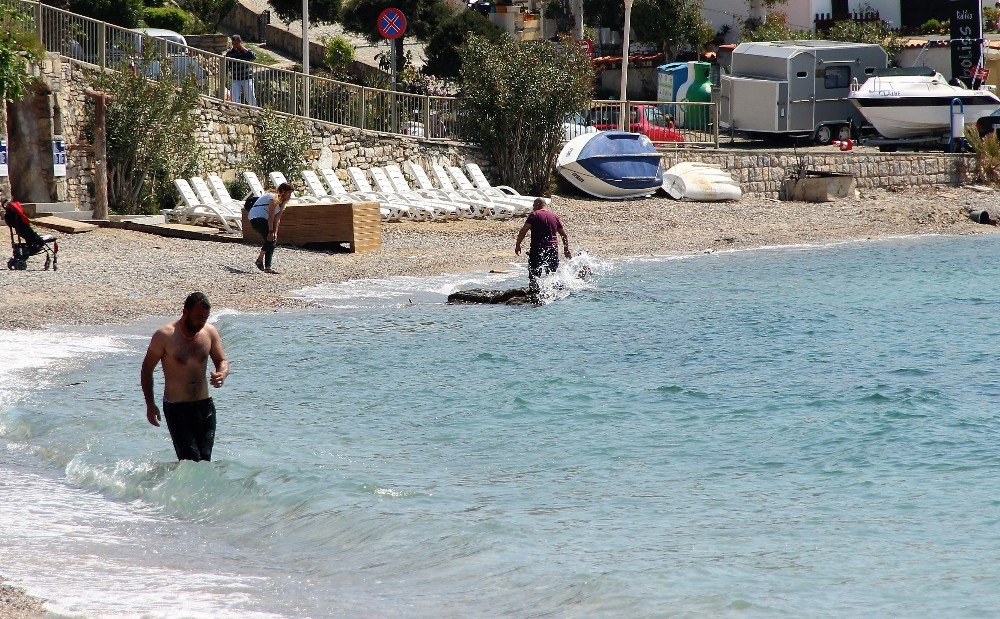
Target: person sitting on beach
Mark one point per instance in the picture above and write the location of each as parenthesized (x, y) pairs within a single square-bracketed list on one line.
[(543, 254), (183, 347), (265, 217)]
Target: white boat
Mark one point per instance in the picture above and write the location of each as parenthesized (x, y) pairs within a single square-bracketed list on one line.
[(612, 164), (702, 182), (916, 102)]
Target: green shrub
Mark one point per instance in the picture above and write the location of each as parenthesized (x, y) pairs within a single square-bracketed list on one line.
[(151, 137), (168, 17), (339, 54), (515, 96), (124, 13), (153, 3), (282, 145), (987, 151)]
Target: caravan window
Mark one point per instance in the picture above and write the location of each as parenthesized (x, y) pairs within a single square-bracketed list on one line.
[(837, 77)]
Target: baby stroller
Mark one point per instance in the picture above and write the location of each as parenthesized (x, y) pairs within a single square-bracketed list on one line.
[(28, 242)]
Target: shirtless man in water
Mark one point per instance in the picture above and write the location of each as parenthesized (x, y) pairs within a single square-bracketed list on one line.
[(184, 347)]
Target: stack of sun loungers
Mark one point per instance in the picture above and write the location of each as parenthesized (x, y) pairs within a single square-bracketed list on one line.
[(457, 194)]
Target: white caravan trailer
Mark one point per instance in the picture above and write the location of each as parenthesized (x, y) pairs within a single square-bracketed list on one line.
[(797, 88)]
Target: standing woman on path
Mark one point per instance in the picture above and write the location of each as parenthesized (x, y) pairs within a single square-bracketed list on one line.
[(265, 217)]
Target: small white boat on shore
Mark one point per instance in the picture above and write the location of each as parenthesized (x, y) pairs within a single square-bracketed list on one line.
[(917, 102), (702, 182), (612, 164)]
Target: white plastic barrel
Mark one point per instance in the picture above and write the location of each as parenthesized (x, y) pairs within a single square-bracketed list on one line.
[(957, 124)]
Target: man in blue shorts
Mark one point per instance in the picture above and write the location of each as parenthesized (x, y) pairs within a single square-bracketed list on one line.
[(183, 347), (543, 254)]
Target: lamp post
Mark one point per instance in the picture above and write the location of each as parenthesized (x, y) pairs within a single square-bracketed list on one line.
[(305, 58), (623, 97)]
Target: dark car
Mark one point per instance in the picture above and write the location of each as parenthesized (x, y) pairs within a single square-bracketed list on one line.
[(644, 119)]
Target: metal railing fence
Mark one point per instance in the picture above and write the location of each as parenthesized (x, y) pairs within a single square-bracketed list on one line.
[(669, 125), (666, 124), (111, 47)]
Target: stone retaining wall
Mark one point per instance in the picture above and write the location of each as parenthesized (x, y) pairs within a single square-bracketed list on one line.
[(226, 134), (764, 173)]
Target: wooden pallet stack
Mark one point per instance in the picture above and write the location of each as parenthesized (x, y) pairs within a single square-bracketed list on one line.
[(356, 223)]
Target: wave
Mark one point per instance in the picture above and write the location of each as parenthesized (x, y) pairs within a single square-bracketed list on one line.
[(404, 290)]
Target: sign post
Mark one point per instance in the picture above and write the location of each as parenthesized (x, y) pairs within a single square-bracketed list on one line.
[(3, 158), (391, 25), (966, 39)]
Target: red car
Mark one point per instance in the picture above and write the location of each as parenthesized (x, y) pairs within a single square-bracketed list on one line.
[(644, 119)]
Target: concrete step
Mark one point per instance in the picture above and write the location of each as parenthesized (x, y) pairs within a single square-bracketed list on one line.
[(39, 209), (74, 215)]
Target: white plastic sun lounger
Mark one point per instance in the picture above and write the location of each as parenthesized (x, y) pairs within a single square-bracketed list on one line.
[(231, 211), (317, 188), (278, 178), (256, 187), (398, 180), (391, 211), (417, 212), (502, 192), (194, 211), (386, 186), (491, 208), (470, 208), (218, 187), (462, 182)]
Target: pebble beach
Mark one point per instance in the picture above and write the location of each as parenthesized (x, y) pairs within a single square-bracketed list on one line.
[(114, 276)]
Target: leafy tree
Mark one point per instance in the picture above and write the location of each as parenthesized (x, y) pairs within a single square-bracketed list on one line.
[(282, 145), (515, 96), (320, 11), (18, 46), (423, 18), (671, 23), (210, 12), (774, 29), (443, 58), (605, 14), (124, 13), (150, 133), (877, 32)]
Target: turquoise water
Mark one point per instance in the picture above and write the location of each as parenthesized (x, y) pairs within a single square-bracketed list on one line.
[(791, 432)]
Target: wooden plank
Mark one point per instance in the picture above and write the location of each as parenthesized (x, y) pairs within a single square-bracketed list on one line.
[(68, 226)]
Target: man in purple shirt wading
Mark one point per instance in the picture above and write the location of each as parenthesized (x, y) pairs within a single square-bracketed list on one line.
[(543, 254)]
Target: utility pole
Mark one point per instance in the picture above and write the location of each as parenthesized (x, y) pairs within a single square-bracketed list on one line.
[(578, 14)]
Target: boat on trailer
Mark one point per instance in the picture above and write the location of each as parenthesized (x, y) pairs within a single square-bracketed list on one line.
[(917, 102), (612, 164)]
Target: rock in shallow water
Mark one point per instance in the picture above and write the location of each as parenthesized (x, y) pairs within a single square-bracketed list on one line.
[(514, 296)]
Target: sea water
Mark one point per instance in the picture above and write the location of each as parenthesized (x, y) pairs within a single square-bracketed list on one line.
[(805, 431)]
